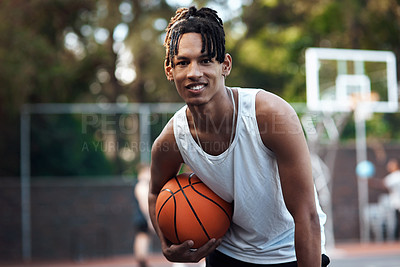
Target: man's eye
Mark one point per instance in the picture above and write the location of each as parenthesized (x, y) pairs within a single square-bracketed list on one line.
[(207, 60), (181, 63)]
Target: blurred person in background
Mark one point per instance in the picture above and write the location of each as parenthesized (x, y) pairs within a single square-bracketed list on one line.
[(141, 220), (392, 184)]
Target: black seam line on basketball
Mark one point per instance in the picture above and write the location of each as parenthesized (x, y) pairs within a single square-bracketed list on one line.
[(173, 196), (162, 206), (165, 202), (176, 229), (216, 203), (191, 207), (174, 193)]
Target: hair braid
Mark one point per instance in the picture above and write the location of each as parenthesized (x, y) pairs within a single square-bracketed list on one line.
[(204, 21)]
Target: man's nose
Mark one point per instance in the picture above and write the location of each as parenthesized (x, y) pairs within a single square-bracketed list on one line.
[(194, 71)]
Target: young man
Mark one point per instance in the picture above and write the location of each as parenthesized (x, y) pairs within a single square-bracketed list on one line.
[(247, 145)]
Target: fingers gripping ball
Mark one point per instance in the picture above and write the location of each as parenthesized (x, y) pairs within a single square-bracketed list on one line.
[(187, 209)]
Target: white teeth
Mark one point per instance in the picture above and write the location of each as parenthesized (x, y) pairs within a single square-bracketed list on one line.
[(196, 87)]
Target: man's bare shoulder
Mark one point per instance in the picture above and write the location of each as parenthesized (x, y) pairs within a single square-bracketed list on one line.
[(277, 120), (269, 103)]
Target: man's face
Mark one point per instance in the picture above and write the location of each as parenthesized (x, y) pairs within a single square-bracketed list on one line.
[(197, 77)]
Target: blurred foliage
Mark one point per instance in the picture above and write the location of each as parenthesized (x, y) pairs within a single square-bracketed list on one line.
[(68, 51), (270, 54), (55, 141)]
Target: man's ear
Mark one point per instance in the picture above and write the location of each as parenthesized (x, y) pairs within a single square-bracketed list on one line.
[(168, 71), (227, 65)]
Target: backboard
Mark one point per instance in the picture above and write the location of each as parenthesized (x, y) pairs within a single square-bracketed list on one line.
[(340, 79)]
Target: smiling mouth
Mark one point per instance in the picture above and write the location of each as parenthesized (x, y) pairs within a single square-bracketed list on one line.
[(197, 87)]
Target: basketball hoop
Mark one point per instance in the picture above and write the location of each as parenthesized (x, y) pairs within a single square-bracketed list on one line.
[(359, 81), (334, 75)]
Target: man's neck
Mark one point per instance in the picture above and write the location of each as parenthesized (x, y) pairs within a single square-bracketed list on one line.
[(213, 116)]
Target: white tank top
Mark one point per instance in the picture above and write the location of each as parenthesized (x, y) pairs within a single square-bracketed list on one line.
[(262, 229)]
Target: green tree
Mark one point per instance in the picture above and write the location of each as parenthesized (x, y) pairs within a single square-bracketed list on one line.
[(35, 66), (269, 51), (104, 51)]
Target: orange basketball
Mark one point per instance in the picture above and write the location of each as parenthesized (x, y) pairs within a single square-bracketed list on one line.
[(187, 209)]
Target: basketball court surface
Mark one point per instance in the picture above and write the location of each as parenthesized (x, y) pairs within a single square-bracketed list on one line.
[(345, 255)]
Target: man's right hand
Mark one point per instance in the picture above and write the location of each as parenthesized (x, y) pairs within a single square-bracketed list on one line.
[(184, 252)]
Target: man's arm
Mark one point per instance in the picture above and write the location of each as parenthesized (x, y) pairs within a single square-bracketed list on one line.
[(165, 163), (282, 133)]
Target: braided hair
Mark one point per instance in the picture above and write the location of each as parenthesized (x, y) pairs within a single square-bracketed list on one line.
[(204, 21)]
